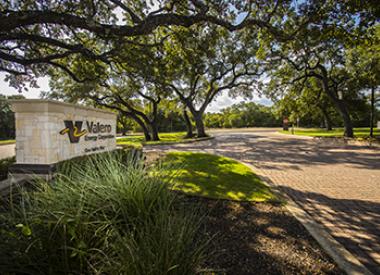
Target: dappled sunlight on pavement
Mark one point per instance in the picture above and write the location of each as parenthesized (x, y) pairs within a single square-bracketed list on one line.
[(339, 186)]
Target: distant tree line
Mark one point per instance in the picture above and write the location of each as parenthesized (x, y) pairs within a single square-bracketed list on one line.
[(7, 117), (299, 113), (305, 110), (251, 114), (244, 114)]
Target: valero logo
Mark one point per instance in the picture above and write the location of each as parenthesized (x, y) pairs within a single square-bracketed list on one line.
[(74, 130)]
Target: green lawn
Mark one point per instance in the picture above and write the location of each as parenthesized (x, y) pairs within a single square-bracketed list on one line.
[(215, 177), (8, 141), (139, 140), (336, 132)]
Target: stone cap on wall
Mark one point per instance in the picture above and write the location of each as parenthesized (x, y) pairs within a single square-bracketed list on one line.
[(52, 106)]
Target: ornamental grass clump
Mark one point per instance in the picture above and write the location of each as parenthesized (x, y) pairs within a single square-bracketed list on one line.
[(108, 215)]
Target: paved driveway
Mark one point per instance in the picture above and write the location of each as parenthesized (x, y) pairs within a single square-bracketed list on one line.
[(338, 186), (7, 151)]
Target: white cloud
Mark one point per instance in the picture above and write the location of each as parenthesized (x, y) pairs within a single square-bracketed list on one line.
[(42, 82), (224, 101)]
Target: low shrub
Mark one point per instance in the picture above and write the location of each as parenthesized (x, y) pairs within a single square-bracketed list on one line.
[(72, 166), (108, 215), (4, 166)]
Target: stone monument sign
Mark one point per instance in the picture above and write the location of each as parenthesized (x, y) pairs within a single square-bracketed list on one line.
[(48, 132)]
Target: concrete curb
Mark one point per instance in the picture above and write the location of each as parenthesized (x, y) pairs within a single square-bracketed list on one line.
[(347, 142), (343, 258), (294, 136), (337, 141)]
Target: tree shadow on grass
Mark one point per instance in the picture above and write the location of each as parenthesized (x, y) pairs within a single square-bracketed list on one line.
[(216, 177)]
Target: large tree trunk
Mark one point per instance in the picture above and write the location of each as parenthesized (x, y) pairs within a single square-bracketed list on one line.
[(154, 130), (189, 127), (339, 104), (328, 126), (153, 122), (327, 119), (145, 131), (142, 125), (198, 119), (342, 108), (146, 134), (149, 126)]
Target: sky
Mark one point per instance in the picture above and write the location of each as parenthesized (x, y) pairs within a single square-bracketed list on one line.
[(224, 101), (42, 82)]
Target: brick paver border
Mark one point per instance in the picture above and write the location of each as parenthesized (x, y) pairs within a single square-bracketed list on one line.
[(344, 259)]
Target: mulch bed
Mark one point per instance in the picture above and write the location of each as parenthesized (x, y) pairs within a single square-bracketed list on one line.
[(259, 238)]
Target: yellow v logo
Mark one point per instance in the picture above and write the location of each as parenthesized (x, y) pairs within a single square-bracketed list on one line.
[(74, 131)]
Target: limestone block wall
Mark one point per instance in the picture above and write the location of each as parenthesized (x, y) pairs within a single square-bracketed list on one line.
[(42, 135)]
